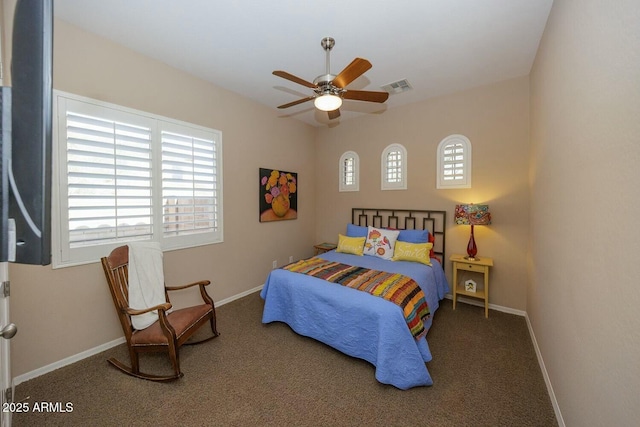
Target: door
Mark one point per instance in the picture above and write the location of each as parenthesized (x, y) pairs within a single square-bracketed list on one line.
[(7, 329)]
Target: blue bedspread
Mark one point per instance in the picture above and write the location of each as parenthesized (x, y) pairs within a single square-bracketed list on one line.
[(354, 322)]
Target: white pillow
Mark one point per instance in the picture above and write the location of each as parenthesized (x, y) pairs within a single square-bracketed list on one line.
[(380, 242)]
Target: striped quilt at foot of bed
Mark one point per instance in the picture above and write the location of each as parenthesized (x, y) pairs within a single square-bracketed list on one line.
[(394, 287)]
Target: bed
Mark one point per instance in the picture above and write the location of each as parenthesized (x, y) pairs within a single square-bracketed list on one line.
[(357, 323)]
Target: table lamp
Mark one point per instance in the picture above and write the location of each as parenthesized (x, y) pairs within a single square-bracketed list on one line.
[(471, 214)]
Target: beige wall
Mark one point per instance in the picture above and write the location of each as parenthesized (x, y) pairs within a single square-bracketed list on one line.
[(585, 149), (495, 118), (63, 312)]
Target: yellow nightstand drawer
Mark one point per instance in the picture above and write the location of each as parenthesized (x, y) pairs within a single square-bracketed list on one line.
[(471, 267)]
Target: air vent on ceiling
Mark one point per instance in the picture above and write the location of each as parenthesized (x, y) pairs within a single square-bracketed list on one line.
[(397, 87)]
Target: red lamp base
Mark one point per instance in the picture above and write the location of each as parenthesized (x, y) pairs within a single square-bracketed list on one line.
[(472, 249)]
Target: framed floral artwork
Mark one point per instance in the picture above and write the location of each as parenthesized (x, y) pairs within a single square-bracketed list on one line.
[(278, 195)]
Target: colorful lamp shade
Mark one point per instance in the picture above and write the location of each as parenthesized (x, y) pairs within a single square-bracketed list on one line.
[(471, 214)]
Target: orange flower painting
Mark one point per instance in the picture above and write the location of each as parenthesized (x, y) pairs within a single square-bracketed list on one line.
[(278, 195)]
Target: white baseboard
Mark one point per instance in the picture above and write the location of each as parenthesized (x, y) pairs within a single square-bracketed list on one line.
[(478, 303), (545, 375), (238, 296), (66, 361), (95, 350)]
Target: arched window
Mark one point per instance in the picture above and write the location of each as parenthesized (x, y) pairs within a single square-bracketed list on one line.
[(349, 169), (454, 162), (394, 168)]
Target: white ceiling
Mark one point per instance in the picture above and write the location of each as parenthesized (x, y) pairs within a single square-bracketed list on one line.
[(439, 46)]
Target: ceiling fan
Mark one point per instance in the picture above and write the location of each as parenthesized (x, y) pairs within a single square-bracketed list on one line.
[(330, 89)]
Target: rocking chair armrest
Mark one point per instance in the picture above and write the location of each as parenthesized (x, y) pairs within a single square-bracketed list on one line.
[(203, 292), (133, 311), (177, 288)]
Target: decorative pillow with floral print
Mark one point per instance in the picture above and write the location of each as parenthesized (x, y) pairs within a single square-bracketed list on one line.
[(380, 242)]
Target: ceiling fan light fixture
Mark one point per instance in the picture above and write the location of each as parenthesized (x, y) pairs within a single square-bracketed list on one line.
[(329, 89), (328, 102)]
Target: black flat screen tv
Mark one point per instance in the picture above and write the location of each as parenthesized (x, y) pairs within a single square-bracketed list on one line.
[(27, 171)]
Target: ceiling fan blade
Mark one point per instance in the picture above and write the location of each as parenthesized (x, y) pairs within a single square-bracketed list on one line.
[(299, 101), (334, 114), (293, 78), (366, 95), (351, 72)]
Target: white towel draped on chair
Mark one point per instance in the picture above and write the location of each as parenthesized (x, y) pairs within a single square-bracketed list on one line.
[(146, 281)]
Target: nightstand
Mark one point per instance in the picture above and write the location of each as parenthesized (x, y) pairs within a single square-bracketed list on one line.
[(478, 265), (324, 247)]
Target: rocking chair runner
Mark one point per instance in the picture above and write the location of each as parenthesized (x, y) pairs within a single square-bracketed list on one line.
[(168, 333)]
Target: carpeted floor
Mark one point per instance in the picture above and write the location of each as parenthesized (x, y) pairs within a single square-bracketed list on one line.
[(485, 374)]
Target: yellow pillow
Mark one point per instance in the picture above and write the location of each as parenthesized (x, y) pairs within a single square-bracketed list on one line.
[(416, 252), (350, 245)]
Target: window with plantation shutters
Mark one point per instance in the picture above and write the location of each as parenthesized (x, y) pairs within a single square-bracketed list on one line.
[(349, 167), (454, 162), (189, 186), (108, 180), (394, 168), (123, 175)]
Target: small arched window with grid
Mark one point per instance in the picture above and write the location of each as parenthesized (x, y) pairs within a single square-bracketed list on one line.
[(394, 168), (349, 169), (454, 162)]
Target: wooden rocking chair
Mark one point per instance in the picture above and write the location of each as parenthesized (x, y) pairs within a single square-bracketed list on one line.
[(168, 333)]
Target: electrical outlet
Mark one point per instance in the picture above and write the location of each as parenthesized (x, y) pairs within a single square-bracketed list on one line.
[(291, 258), (275, 263)]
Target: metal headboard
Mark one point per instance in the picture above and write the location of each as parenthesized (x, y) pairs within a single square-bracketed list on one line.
[(405, 219)]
